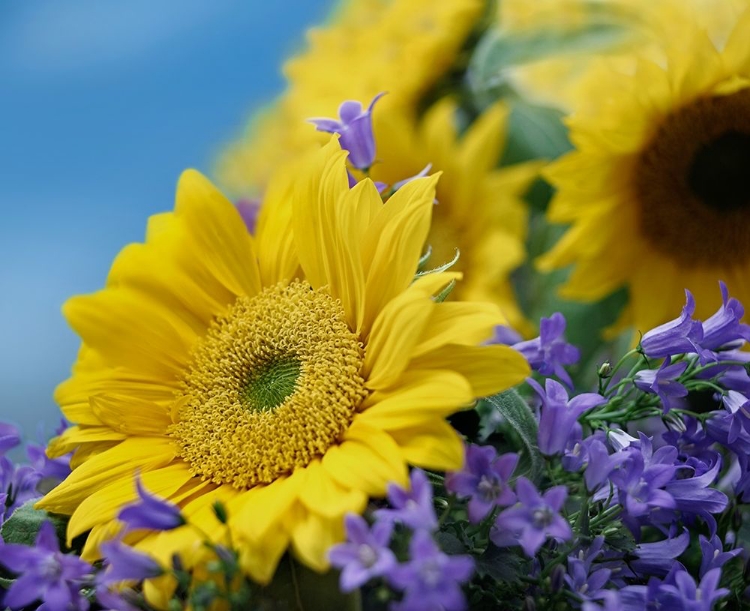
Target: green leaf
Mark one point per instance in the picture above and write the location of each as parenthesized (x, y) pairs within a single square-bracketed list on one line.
[(500, 50), (518, 415), (501, 565), (298, 588), (23, 526), (534, 132)]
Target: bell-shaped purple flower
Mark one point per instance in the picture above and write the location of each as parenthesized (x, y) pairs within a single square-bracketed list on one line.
[(684, 593), (549, 352), (484, 480), (431, 580), (738, 405), (365, 555), (45, 574), (724, 330), (662, 382), (713, 554), (641, 479), (414, 507), (559, 416), (581, 579), (677, 336), (126, 564), (355, 128), (532, 519), (658, 557), (150, 512), (249, 210), (10, 437)]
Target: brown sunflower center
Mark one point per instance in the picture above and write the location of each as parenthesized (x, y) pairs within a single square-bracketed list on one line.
[(692, 182), (274, 383)]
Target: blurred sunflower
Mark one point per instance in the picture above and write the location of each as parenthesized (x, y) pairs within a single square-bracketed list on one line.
[(403, 47), (566, 38), (290, 375), (657, 189), (479, 208)]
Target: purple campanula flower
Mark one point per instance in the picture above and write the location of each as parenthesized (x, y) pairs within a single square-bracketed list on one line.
[(609, 599), (713, 554), (677, 336), (10, 437), (126, 564), (658, 558), (601, 464), (46, 574), (738, 405), (249, 210), (693, 445), (19, 483), (532, 519), (662, 382), (413, 508), (695, 496), (118, 598), (724, 329), (431, 580), (549, 352), (641, 479), (355, 127), (559, 416), (681, 592), (484, 479), (365, 555), (505, 335), (150, 512), (581, 579)]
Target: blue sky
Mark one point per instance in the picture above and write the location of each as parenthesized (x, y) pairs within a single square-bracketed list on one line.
[(102, 104)]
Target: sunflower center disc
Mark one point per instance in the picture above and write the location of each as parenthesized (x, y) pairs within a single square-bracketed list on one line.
[(274, 384), (720, 174), (692, 182)]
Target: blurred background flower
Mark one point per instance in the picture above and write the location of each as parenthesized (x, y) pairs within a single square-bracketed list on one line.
[(102, 106)]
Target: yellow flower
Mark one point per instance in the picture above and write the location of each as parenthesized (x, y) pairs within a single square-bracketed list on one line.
[(290, 375), (400, 46), (615, 29), (657, 190), (479, 208)]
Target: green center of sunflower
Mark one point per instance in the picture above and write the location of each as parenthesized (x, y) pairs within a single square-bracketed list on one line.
[(692, 182), (269, 386), (273, 384)]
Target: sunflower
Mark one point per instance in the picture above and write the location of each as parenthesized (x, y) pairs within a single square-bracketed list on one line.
[(657, 189), (400, 46), (479, 208), (580, 33), (291, 375)]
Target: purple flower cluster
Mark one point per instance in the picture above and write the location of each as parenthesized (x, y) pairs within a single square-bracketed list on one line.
[(429, 579), (45, 574), (20, 483), (721, 332), (550, 352)]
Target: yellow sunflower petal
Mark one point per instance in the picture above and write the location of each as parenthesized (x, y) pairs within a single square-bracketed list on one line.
[(488, 369), (134, 453), (434, 445), (219, 232), (420, 397), (367, 460)]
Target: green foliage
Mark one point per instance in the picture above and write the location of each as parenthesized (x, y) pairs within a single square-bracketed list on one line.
[(509, 409), (297, 588), (23, 526), (500, 50)]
